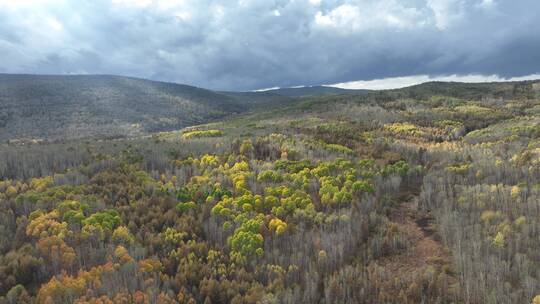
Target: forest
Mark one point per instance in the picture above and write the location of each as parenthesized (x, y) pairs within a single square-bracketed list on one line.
[(428, 194)]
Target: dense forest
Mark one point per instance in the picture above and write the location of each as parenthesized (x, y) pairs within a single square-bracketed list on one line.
[(428, 194)]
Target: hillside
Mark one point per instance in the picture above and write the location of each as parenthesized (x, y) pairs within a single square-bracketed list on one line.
[(60, 107), (469, 91), (314, 91)]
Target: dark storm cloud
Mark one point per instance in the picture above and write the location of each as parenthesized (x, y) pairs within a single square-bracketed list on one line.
[(250, 44)]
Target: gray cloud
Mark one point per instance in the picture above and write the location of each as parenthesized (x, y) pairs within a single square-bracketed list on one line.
[(251, 44)]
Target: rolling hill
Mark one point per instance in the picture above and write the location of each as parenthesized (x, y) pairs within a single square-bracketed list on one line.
[(58, 107)]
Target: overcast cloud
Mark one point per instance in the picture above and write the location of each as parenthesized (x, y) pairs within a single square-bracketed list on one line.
[(248, 44)]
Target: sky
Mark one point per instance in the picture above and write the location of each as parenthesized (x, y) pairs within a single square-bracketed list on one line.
[(256, 44)]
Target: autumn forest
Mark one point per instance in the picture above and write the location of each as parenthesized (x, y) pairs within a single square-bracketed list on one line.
[(428, 194)]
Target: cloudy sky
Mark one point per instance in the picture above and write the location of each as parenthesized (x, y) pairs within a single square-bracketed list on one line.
[(254, 44)]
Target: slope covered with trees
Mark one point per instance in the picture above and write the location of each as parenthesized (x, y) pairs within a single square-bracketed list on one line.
[(98, 106), (428, 194)]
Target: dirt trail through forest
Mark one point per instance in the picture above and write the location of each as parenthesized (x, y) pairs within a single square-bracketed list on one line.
[(423, 246), (424, 262)]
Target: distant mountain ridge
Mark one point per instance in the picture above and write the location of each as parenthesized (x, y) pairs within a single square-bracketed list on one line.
[(314, 91), (80, 106)]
